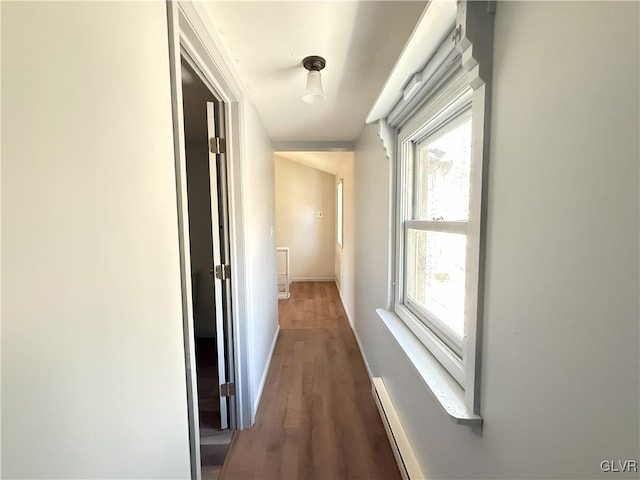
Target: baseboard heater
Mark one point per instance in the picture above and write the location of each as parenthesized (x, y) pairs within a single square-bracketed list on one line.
[(407, 462)]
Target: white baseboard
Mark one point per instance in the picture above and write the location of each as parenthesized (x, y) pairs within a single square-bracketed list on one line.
[(402, 450), (355, 334), (313, 279), (346, 310), (256, 401)]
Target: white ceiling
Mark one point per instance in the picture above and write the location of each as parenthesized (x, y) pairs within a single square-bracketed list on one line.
[(328, 162), (360, 41)]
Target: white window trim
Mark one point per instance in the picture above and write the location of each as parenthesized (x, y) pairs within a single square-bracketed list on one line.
[(340, 213), (409, 138), (443, 108), (454, 381)]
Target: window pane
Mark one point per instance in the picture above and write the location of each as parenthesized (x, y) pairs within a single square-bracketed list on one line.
[(339, 208), (436, 275), (443, 175)]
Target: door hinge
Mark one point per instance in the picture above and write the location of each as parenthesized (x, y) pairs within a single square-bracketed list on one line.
[(217, 145), (456, 36), (223, 272), (227, 389)]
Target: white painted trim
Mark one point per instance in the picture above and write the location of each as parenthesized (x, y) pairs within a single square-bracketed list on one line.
[(340, 213), (344, 306), (364, 357), (188, 324), (313, 279), (355, 334), (203, 46), (400, 444), (458, 84), (437, 20), (387, 135), (438, 348), (199, 19), (263, 380), (313, 146), (1, 289), (446, 390)]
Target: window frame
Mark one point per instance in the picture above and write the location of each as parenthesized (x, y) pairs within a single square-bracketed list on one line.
[(445, 105), (460, 227), (340, 213)]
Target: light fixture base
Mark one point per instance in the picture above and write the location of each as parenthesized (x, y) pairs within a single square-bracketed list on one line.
[(314, 63)]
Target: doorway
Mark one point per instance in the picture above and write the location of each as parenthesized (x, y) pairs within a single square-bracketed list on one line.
[(209, 247)]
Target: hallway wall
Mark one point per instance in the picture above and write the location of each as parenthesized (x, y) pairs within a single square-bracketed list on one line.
[(560, 388), (301, 191), (93, 370), (92, 304), (261, 247), (371, 184), (345, 256)]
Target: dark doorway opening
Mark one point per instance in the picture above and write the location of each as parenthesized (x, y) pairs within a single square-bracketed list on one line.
[(209, 248)]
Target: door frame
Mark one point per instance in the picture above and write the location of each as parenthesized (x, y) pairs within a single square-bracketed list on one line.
[(188, 33)]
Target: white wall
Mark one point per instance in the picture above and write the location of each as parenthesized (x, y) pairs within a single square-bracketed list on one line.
[(345, 256), (371, 220), (301, 192), (560, 386), (93, 374), (261, 248)]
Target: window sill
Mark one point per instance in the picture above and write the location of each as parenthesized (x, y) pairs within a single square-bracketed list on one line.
[(442, 385)]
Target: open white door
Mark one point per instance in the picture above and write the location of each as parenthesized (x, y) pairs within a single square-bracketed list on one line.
[(220, 273)]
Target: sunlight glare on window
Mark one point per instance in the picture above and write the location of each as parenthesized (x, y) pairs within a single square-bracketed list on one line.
[(436, 277), (340, 219), (443, 175)]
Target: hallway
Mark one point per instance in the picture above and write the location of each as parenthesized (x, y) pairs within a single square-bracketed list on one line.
[(317, 417)]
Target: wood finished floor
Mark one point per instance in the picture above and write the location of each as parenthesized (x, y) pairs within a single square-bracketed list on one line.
[(317, 418)]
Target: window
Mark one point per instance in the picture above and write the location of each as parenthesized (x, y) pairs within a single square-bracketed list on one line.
[(339, 214), (438, 200), (435, 227), (435, 132)]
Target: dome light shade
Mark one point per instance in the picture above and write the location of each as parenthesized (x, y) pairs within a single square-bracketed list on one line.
[(313, 93)]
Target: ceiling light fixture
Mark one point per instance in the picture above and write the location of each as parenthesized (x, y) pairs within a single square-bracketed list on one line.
[(313, 93)]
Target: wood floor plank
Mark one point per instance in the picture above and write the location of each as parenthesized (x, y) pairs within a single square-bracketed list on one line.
[(317, 418)]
